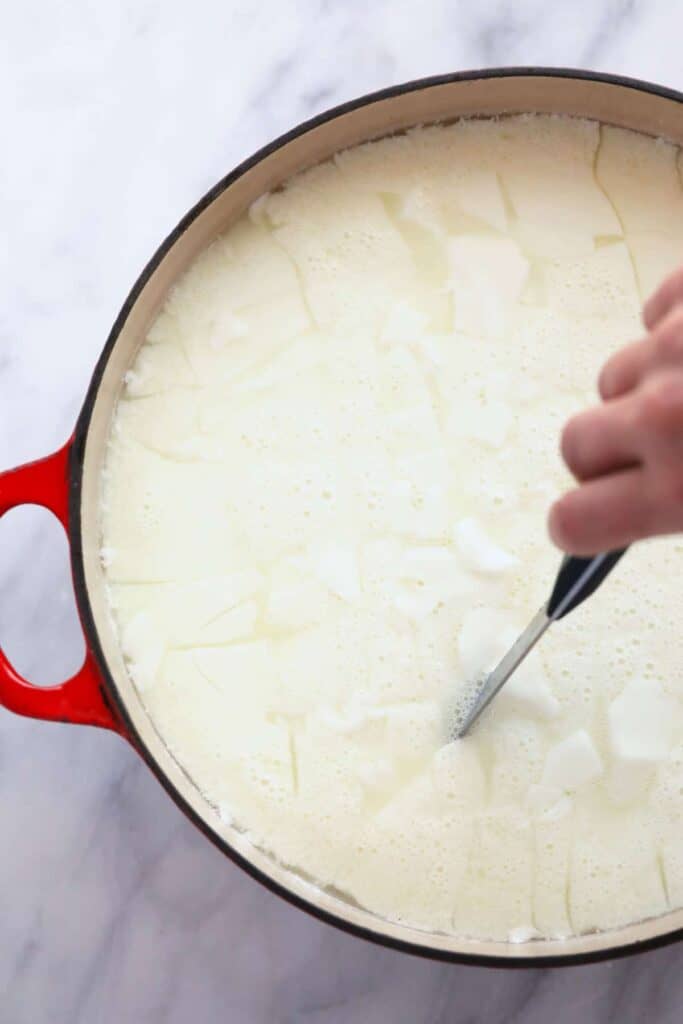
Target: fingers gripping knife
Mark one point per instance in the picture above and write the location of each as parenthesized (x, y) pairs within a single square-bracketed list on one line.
[(577, 579)]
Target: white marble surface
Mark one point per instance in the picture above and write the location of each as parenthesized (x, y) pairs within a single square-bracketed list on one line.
[(115, 117)]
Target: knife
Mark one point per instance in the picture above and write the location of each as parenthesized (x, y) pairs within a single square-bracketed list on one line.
[(576, 580)]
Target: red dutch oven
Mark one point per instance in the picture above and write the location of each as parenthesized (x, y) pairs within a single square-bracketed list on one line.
[(68, 482)]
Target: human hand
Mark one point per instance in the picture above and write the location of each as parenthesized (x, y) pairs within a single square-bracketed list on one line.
[(627, 453)]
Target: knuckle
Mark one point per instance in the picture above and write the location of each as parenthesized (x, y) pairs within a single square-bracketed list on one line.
[(674, 282), (669, 339), (672, 286), (668, 293), (662, 402)]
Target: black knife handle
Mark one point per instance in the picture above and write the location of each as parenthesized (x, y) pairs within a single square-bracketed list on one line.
[(577, 579)]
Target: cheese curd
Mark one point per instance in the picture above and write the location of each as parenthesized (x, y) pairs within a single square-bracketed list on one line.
[(323, 520)]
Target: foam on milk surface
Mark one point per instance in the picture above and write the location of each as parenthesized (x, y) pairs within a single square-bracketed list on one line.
[(323, 520)]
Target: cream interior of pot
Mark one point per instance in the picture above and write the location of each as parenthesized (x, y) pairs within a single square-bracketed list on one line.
[(448, 297)]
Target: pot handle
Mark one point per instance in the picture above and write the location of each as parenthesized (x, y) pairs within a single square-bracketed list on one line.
[(80, 699)]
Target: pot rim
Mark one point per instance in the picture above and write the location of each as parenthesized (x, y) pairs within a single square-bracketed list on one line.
[(75, 532)]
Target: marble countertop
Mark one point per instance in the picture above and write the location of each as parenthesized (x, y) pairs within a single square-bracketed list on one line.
[(115, 118)]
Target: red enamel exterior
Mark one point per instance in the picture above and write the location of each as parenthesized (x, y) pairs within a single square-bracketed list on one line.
[(79, 699)]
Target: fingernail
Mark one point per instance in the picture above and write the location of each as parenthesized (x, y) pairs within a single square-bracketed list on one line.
[(606, 383), (553, 526)]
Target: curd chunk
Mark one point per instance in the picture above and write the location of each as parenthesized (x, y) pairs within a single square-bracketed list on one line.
[(323, 521)]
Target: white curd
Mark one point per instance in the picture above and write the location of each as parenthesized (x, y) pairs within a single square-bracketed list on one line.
[(323, 518)]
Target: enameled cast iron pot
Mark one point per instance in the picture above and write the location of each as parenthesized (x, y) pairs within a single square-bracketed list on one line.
[(67, 483)]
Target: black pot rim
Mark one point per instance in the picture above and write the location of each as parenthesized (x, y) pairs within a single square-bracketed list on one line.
[(110, 688)]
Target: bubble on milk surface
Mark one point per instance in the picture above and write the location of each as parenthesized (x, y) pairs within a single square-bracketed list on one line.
[(349, 416)]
